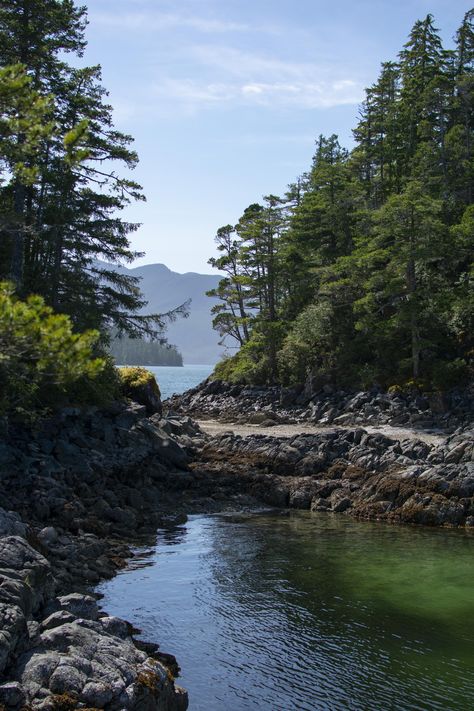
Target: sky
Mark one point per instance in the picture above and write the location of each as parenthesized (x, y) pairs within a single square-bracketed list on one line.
[(225, 99)]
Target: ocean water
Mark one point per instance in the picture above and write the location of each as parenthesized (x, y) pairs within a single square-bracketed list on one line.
[(308, 612), (174, 380)]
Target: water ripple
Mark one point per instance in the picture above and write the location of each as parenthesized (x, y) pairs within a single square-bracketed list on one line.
[(309, 613)]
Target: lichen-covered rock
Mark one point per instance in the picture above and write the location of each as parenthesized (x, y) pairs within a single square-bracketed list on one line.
[(26, 583), (96, 669)]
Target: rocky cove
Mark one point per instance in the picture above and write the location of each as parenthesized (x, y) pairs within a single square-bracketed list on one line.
[(81, 487)]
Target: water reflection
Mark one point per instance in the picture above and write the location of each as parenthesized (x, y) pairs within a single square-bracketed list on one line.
[(309, 612)]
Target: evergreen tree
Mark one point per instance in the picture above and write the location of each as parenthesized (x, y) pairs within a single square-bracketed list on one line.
[(230, 316), (24, 126), (376, 157), (68, 216)]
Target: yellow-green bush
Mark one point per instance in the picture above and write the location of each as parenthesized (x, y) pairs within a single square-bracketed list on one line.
[(139, 384), (40, 355), (249, 365)]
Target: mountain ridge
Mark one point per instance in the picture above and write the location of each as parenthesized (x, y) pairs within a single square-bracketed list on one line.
[(165, 289)]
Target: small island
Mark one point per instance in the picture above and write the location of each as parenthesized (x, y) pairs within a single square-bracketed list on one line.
[(138, 351)]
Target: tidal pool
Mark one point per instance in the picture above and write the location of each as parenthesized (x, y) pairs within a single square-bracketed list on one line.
[(300, 612)]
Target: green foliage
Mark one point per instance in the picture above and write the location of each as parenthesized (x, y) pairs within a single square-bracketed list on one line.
[(249, 365), (448, 375), (363, 273), (100, 391), (24, 123), (308, 346), (40, 355)]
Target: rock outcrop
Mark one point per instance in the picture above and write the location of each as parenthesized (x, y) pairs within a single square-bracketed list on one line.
[(362, 474), (343, 468), (77, 488), (62, 652)]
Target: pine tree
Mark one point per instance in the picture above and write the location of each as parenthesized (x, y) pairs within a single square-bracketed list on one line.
[(376, 157), (231, 317), (68, 217)]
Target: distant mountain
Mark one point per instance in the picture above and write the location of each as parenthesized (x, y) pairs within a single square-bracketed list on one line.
[(163, 289)]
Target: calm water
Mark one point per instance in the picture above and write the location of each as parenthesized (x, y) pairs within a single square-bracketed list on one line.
[(308, 611), (172, 379)]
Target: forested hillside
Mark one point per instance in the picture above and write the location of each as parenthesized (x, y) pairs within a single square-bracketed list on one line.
[(362, 272)]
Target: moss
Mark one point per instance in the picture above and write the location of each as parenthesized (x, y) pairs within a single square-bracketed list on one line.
[(67, 702), (64, 702), (135, 377), (139, 385), (149, 680)]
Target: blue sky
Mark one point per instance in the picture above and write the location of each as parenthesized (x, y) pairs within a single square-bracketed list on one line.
[(225, 98)]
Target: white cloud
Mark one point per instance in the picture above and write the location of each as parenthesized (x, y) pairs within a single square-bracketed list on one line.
[(191, 92), (251, 89), (306, 95), (229, 76), (152, 21)]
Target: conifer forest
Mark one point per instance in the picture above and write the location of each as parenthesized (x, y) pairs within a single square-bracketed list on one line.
[(362, 272)]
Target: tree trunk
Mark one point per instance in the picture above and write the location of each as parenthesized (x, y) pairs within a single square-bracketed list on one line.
[(412, 285), (18, 251)]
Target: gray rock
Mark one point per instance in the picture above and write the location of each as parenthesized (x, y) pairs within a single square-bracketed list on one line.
[(48, 535), (56, 619), (83, 606), (455, 455), (101, 669), (12, 695), (115, 626), (13, 632), (11, 524), (19, 561)]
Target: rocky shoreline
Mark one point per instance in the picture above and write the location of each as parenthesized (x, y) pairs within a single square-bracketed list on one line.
[(399, 478), (327, 405), (76, 490)]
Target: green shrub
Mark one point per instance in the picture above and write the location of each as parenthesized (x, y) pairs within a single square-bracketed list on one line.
[(450, 374), (249, 365), (309, 345), (96, 391), (40, 356)]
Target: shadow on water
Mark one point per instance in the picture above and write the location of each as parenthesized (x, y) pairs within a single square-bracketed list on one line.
[(303, 611)]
